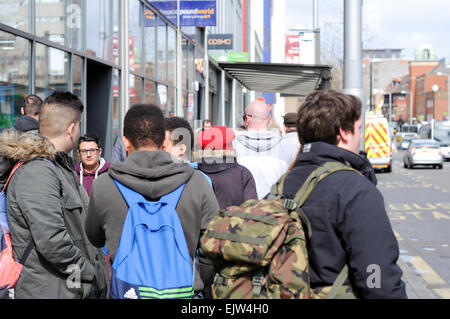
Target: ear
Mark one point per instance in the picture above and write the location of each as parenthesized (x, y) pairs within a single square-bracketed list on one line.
[(22, 110), (343, 136), (100, 152), (181, 150), (70, 129), (128, 146), (166, 141)]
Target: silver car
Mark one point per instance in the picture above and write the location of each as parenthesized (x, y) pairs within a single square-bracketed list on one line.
[(423, 152)]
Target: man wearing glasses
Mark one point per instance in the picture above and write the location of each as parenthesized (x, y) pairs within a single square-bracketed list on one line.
[(91, 163)]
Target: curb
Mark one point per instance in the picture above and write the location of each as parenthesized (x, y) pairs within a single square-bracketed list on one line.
[(416, 288)]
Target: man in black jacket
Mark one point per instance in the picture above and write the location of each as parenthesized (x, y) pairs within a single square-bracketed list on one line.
[(348, 219), (29, 122)]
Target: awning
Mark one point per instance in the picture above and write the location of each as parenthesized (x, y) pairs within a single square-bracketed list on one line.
[(287, 79)]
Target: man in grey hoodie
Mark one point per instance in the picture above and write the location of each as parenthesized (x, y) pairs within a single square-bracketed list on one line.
[(263, 152), (151, 172)]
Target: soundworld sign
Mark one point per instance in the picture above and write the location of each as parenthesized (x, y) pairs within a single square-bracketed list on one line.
[(220, 42)]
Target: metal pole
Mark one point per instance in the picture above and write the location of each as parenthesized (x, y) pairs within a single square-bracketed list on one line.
[(316, 31), (125, 54), (353, 82), (179, 110), (206, 74)]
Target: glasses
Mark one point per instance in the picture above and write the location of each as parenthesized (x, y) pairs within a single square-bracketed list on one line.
[(91, 150)]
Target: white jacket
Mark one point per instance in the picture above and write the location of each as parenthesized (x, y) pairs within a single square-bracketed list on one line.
[(266, 155)]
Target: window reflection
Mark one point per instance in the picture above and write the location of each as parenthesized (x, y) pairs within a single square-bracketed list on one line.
[(14, 71), (52, 66), (77, 75), (135, 89), (98, 22), (15, 13), (171, 55), (162, 51), (136, 14), (149, 38)]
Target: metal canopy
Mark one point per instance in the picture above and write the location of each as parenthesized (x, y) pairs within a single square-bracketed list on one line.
[(287, 79)]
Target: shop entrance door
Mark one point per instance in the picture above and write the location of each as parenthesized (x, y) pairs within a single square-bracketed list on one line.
[(99, 104)]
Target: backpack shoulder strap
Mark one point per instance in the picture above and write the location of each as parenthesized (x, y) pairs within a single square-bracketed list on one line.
[(133, 197), (14, 169), (315, 177)]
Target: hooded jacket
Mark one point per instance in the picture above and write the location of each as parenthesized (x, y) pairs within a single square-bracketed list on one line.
[(233, 183), (153, 174), (266, 155), (47, 206), (349, 224), (86, 179), (27, 123)]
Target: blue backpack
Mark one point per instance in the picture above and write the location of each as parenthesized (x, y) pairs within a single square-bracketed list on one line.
[(152, 260)]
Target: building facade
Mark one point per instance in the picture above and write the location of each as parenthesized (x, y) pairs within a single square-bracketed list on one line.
[(114, 53)]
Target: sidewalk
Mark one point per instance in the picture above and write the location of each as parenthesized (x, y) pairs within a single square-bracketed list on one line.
[(416, 287)]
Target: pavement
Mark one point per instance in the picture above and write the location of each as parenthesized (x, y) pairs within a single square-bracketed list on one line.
[(416, 287)]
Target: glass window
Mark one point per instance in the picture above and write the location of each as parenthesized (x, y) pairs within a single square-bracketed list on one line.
[(184, 63), (172, 55), (14, 71), (135, 89), (190, 66), (116, 32), (16, 14), (162, 97), (51, 21), (162, 51), (150, 45), (150, 92), (135, 37), (98, 24), (116, 104), (52, 69), (77, 75), (74, 24)]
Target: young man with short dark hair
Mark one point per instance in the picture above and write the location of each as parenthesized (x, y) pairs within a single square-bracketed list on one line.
[(46, 208), (346, 211), (150, 171), (29, 122), (91, 164)]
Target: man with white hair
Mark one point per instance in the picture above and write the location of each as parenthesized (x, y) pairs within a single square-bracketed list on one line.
[(262, 151)]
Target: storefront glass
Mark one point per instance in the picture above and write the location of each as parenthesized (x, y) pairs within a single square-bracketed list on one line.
[(77, 75), (135, 21), (52, 70), (162, 51), (16, 14), (14, 76), (149, 39), (98, 24)]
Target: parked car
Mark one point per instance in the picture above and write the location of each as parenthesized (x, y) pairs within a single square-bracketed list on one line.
[(405, 143), (423, 152)]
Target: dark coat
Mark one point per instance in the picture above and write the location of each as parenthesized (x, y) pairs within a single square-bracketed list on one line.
[(26, 123), (47, 206), (233, 184), (349, 224)]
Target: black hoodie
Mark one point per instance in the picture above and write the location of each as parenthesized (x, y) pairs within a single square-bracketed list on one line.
[(349, 224)]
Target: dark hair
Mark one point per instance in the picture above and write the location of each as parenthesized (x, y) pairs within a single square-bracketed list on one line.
[(67, 99), (144, 125), (173, 123), (59, 110), (89, 137), (32, 105), (325, 112)]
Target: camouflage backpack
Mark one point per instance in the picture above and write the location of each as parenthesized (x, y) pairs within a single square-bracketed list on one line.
[(259, 247)]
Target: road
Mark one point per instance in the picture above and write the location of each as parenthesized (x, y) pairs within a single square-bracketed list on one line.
[(418, 204)]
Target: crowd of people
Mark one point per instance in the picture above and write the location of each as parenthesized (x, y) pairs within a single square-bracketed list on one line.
[(63, 215)]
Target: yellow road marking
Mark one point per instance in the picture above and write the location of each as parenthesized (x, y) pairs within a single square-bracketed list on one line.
[(399, 238), (444, 293), (427, 273)]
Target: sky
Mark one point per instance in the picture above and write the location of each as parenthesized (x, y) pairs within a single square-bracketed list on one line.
[(398, 24)]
